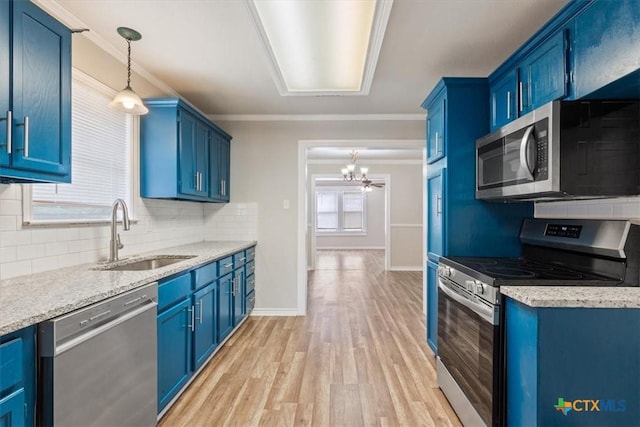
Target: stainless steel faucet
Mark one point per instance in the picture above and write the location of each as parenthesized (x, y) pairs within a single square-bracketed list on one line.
[(115, 243)]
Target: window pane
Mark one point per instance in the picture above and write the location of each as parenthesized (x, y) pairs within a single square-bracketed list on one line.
[(327, 202), (100, 162), (353, 202), (327, 221), (353, 221)]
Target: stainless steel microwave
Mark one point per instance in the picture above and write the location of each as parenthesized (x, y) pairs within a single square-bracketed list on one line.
[(564, 149)]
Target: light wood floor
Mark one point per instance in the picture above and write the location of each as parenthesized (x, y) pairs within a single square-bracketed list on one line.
[(359, 357)]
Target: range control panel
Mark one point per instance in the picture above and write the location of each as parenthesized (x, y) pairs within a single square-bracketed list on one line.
[(563, 230)]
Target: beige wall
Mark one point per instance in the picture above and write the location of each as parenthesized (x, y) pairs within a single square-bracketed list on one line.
[(264, 170)]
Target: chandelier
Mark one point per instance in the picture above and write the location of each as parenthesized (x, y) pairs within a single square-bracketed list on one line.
[(349, 174)]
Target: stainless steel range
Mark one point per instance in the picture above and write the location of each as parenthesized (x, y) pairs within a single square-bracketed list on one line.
[(470, 360)]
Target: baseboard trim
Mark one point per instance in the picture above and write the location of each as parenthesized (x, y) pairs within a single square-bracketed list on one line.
[(275, 312), (349, 248), (400, 268)]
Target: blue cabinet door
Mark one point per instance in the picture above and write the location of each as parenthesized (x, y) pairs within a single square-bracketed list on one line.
[(41, 95), (202, 158), (436, 129), (239, 294), (205, 335), (219, 169), (174, 351), (5, 72), (436, 214), (224, 168), (545, 73), (605, 47), (225, 306), (187, 158), (12, 410), (503, 96), (432, 306)]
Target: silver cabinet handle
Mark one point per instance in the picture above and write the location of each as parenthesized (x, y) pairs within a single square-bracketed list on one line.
[(9, 120), (520, 100), (25, 146), (201, 311), (437, 143), (508, 104), (242, 259), (192, 311), (228, 265), (222, 187), (438, 205)]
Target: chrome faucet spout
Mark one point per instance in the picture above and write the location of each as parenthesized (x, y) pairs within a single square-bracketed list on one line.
[(114, 243)]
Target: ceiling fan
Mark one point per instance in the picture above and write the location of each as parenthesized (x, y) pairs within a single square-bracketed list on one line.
[(367, 184)]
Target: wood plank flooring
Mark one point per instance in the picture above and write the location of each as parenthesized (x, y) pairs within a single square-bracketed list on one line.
[(359, 358)]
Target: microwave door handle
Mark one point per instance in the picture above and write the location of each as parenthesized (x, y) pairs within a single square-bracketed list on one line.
[(524, 149), (482, 311)]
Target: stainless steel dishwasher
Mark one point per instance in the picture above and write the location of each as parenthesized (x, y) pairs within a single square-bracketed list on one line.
[(98, 365)]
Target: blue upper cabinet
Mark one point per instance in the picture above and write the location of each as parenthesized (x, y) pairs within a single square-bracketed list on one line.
[(219, 170), (503, 98), (605, 48), (540, 77), (436, 122), (35, 95), (177, 149)]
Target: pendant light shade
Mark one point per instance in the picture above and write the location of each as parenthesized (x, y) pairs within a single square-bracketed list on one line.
[(127, 101)]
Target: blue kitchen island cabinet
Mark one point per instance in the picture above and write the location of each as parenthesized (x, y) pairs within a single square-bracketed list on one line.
[(457, 223), (572, 366), (35, 95), (17, 378), (180, 153)]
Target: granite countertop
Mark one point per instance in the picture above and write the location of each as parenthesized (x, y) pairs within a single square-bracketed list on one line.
[(574, 296), (27, 300)]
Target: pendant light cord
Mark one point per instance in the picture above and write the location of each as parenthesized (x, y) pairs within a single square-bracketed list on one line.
[(128, 63)]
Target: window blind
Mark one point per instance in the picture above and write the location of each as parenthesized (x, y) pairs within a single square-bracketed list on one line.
[(101, 141)]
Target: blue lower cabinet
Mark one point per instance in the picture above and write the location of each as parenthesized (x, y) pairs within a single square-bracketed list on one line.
[(17, 378), (174, 350), (225, 306), (572, 366), (13, 410), (205, 337), (432, 306)]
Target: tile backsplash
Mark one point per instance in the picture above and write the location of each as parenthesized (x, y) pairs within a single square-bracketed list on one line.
[(620, 208), (159, 224)]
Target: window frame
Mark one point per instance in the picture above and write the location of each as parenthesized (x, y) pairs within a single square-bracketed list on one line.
[(340, 190), (134, 125)]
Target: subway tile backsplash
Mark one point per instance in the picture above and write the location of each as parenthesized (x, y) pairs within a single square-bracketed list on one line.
[(620, 208), (159, 224)]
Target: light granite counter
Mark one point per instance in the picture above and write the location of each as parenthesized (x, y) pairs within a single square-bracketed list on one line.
[(574, 296), (27, 300)]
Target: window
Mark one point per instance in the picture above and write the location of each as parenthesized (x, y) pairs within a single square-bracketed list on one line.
[(100, 161), (340, 211)]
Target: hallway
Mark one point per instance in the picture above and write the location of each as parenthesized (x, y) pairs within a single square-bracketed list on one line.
[(359, 357)]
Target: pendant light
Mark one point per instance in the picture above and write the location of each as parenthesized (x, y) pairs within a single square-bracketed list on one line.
[(127, 101)]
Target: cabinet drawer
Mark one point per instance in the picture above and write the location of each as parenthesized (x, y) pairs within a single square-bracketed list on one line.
[(205, 275), (239, 259), (251, 268), (11, 364), (251, 254), (250, 301), (173, 290), (251, 283), (225, 265)]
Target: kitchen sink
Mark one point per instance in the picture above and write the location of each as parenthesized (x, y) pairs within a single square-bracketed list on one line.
[(150, 263)]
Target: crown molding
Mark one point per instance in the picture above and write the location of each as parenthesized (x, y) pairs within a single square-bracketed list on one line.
[(378, 28), (54, 8), (314, 117), (339, 162)]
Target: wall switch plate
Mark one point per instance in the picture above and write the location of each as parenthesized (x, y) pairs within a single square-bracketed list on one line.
[(285, 204)]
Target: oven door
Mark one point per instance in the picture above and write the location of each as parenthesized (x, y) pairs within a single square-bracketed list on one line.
[(470, 349)]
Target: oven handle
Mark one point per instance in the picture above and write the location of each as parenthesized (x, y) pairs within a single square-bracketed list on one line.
[(481, 310)]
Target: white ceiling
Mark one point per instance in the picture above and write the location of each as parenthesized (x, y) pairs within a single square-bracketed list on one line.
[(209, 52)]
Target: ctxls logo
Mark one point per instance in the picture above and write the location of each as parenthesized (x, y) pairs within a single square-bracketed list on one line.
[(590, 405)]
